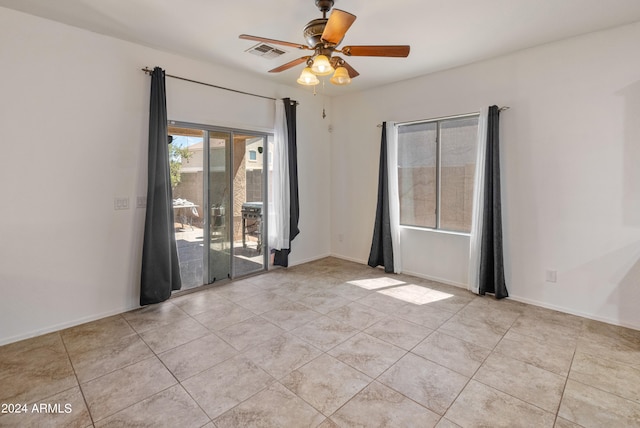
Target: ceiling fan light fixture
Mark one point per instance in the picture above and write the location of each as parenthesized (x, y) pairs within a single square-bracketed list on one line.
[(340, 77), (321, 66), (307, 78)]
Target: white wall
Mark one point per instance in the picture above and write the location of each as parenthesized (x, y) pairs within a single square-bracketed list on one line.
[(73, 130), (571, 170)]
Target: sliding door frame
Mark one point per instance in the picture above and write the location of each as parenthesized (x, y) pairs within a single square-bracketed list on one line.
[(207, 129)]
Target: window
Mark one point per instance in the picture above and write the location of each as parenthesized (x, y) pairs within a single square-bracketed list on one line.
[(253, 156), (436, 170)]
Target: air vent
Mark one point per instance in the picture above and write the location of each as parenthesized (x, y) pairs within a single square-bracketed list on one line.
[(265, 50)]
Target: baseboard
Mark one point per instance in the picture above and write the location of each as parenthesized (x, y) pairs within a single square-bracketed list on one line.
[(574, 312), (310, 259), (349, 259), (436, 279), (62, 326)]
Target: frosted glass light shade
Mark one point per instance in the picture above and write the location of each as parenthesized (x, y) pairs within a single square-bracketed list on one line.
[(307, 78), (321, 66), (341, 77)]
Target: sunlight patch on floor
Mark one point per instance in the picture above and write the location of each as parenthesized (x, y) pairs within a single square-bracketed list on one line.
[(415, 294), (376, 283)]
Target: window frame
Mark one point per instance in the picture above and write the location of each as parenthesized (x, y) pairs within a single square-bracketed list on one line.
[(438, 121)]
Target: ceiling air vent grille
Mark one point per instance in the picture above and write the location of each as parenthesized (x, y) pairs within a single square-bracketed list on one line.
[(265, 50)]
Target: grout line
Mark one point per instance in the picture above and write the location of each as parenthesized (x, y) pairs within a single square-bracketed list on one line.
[(75, 374)]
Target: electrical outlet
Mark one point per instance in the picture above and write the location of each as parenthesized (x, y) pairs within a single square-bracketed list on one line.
[(551, 276), (121, 204), (141, 202)]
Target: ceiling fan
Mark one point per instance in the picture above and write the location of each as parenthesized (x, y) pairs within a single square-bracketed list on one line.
[(323, 37)]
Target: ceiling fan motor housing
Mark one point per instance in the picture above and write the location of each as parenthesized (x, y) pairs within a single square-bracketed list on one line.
[(313, 31)]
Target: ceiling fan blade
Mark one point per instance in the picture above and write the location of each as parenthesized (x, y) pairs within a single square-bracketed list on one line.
[(336, 62), (290, 64), (401, 51), (337, 25), (352, 71), (275, 42)]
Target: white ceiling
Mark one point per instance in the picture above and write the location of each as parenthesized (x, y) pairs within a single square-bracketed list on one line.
[(442, 33)]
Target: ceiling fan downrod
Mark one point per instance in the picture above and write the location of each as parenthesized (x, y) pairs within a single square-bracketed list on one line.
[(324, 6)]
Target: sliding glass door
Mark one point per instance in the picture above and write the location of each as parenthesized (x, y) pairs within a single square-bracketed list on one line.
[(219, 192), (219, 184)]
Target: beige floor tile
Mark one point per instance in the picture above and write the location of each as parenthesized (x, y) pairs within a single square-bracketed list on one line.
[(154, 316), (616, 378), (380, 406), (482, 406), (65, 409), (368, 354), (563, 423), (118, 390), (324, 301), (399, 332), (282, 354), (326, 383), (34, 368), (521, 380), (237, 290), (425, 382), (610, 342), (383, 303), (267, 281), (591, 407), (503, 306), (290, 315), (167, 337), (450, 303), (424, 315), (112, 355), (328, 423), (446, 423), (455, 354), (350, 291), (357, 315), (414, 293), (275, 406), (377, 280), (493, 314), (223, 314), (248, 333), (547, 356), (322, 281), (226, 385), (294, 289), (96, 334), (225, 346), (568, 321), (262, 302), (480, 332), (551, 329), (172, 407), (194, 357), (198, 302), (324, 333)]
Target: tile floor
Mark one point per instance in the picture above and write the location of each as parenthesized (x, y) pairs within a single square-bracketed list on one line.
[(328, 344)]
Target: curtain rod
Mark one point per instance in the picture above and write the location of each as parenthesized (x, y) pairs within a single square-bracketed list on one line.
[(444, 118), (149, 71)]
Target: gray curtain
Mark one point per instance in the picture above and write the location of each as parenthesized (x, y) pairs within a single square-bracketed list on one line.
[(160, 267), (381, 247), (281, 257), (491, 259)]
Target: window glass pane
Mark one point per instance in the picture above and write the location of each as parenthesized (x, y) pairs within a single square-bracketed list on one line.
[(417, 156), (458, 140)]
